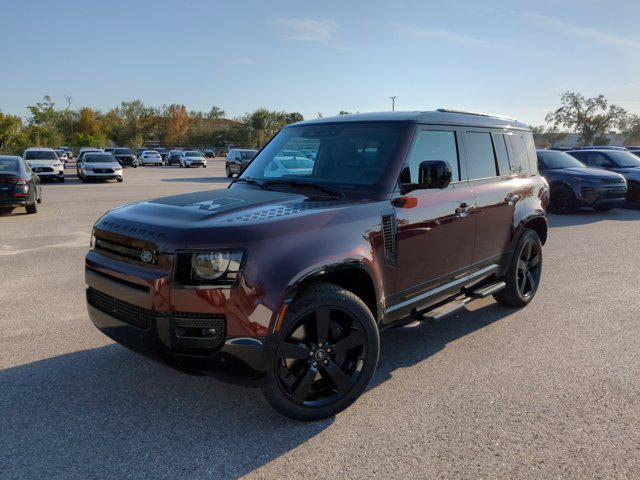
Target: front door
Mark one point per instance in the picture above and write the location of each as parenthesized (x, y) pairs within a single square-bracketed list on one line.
[(435, 228)]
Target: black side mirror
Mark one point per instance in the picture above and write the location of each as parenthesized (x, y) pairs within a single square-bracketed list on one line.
[(431, 174)]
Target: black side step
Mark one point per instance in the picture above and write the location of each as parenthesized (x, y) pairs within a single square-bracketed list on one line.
[(445, 310), (488, 290)]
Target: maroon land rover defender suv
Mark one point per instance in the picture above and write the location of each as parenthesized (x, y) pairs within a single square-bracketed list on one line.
[(285, 279)]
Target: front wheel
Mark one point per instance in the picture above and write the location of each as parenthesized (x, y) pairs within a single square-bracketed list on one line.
[(326, 355), (31, 209), (228, 171), (525, 271), (562, 200)]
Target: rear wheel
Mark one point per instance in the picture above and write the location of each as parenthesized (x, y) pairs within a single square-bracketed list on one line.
[(562, 200), (525, 271), (326, 355), (33, 208)]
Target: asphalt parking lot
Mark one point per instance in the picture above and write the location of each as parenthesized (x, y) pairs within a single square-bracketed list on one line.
[(550, 391)]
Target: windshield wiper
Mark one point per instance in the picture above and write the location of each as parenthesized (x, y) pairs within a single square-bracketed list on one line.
[(298, 183), (250, 181)]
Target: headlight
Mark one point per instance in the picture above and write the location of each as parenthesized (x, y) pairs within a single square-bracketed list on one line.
[(215, 268)]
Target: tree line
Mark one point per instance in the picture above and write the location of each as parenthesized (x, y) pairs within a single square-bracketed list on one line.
[(134, 124), (593, 119)]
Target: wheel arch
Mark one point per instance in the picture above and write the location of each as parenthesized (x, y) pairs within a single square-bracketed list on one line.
[(355, 276), (538, 224)]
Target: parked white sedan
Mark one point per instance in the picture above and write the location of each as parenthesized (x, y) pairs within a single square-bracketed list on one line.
[(193, 158), (150, 157), (99, 166)]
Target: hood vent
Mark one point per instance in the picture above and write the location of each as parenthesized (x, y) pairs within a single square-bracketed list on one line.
[(389, 237), (280, 211)]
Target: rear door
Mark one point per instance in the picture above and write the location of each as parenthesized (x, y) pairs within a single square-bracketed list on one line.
[(497, 191)]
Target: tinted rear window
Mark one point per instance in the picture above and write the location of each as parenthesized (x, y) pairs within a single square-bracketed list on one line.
[(123, 151), (8, 165)]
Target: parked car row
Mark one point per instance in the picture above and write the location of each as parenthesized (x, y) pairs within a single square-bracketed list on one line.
[(598, 178)]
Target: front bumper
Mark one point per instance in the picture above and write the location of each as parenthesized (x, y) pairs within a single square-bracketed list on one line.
[(593, 196), (101, 176), (56, 174), (173, 326)]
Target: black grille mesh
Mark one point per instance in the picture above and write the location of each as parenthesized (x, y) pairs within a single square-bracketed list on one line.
[(131, 314)]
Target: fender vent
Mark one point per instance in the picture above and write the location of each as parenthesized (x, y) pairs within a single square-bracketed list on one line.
[(389, 237)]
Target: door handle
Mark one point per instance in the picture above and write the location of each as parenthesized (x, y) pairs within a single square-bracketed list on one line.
[(463, 210), (512, 198)]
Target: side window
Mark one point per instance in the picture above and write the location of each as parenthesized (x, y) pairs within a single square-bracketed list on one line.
[(434, 145), (504, 168), (521, 159), (530, 144), (598, 160), (482, 160)]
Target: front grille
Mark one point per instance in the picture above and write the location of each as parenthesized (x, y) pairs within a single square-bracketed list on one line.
[(103, 170), (121, 250), (42, 169), (612, 180), (133, 315)]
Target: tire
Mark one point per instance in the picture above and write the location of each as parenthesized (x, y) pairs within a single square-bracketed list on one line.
[(525, 272), (61, 180), (204, 166), (33, 208), (633, 195), (120, 180), (562, 200), (308, 383), (39, 200), (135, 166), (228, 171)]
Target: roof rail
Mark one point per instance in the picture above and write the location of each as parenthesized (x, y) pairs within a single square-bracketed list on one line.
[(448, 110)]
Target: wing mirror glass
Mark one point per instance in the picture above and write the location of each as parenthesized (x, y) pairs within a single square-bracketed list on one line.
[(434, 174)]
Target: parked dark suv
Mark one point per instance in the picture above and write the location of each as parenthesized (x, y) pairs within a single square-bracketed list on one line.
[(575, 185), (285, 282), (125, 157), (619, 161)]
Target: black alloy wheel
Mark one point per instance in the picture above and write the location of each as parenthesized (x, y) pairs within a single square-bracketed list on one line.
[(529, 268), (525, 272), (325, 357)]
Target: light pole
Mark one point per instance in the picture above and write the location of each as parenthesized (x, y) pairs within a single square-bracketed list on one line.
[(393, 102), (69, 100)]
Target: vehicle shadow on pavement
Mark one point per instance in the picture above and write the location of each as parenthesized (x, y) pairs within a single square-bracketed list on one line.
[(108, 413), (584, 217), (406, 346)]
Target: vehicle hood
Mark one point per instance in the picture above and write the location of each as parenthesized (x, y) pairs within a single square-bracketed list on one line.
[(221, 216), (589, 173), (194, 158), (93, 165), (630, 173), (42, 163)]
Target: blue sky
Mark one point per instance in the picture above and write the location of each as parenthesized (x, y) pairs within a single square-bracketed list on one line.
[(509, 57)]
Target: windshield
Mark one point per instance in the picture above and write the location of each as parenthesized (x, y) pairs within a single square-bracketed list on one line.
[(123, 151), (353, 155), (554, 160), (8, 165), (102, 158), (150, 152), (193, 154), (623, 159), (248, 154), (40, 155)]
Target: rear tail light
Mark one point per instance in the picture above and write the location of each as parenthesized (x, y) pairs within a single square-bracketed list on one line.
[(21, 187)]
